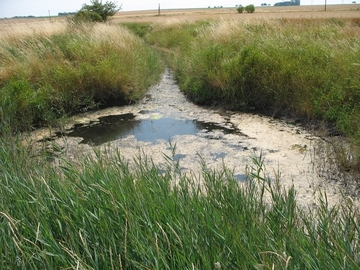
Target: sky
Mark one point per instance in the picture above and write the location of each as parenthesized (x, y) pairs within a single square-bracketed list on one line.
[(12, 8)]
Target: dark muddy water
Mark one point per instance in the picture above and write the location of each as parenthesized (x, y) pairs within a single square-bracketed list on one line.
[(114, 127)]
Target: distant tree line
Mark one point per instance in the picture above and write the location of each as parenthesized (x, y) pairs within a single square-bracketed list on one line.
[(66, 13), (30, 16), (288, 3)]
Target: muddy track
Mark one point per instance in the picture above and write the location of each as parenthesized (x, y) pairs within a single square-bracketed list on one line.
[(217, 137)]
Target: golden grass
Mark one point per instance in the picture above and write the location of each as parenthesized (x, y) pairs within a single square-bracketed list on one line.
[(119, 36), (225, 30), (16, 30), (316, 11)]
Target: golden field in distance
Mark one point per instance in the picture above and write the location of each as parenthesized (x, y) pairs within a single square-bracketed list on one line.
[(269, 12)]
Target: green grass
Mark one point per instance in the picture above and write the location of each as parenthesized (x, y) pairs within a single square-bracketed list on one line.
[(105, 213), (307, 68), (52, 75), (139, 29)]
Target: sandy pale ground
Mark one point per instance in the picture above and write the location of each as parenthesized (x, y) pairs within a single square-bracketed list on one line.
[(286, 148)]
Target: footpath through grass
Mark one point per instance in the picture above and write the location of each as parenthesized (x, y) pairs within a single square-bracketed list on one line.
[(104, 213), (307, 68)]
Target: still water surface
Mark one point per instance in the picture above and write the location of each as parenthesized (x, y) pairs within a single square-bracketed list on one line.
[(114, 127)]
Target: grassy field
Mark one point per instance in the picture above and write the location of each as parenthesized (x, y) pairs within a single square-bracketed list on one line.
[(101, 212)]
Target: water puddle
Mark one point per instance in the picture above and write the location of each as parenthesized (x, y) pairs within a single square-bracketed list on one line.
[(197, 134), (114, 127)]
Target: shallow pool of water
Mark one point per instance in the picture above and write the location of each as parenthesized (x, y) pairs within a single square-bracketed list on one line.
[(199, 136), (114, 127)]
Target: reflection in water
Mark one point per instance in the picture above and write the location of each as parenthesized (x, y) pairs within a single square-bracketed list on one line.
[(108, 129), (240, 177), (115, 127)]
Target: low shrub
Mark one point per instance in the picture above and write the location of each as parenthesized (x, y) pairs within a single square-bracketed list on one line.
[(240, 9), (86, 16), (97, 11), (250, 8)]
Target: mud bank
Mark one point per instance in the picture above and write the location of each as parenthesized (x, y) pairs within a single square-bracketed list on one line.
[(233, 140)]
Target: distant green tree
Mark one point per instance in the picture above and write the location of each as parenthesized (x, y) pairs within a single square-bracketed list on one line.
[(240, 9), (250, 8), (87, 16), (97, 11)]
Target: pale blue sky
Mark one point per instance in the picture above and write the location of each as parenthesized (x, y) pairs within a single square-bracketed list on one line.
[(11, 8)]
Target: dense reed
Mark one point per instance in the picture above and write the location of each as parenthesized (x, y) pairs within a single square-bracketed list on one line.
[(105, 213)]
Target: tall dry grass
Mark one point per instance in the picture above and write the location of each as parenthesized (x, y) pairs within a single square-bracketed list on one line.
[(17, 30)]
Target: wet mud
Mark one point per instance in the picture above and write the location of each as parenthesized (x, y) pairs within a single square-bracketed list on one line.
[(165, 120)]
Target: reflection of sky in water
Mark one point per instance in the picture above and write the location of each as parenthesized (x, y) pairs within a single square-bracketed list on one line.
[(240, 177), (115, 127), (219, 155)]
